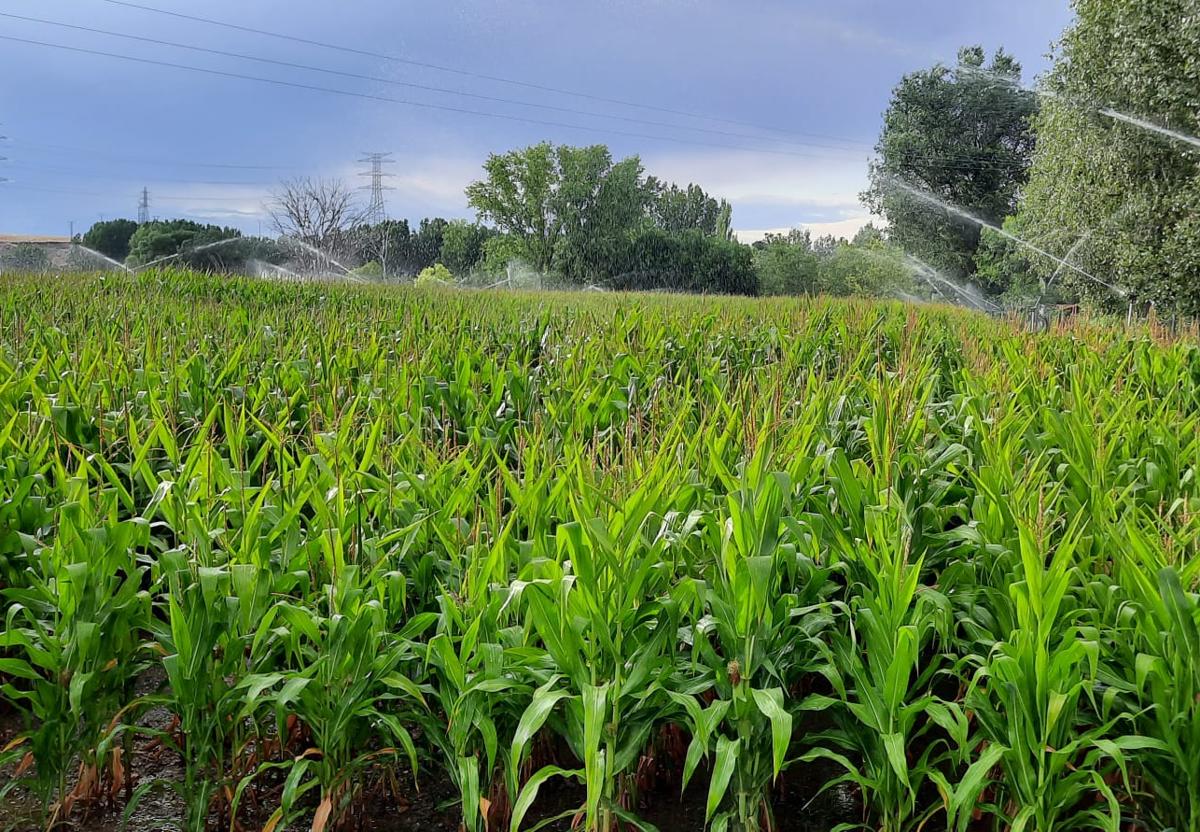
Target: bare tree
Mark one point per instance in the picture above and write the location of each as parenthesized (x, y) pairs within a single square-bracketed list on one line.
[(317, 212)]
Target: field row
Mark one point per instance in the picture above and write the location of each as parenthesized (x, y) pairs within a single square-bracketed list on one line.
[(338, 536)]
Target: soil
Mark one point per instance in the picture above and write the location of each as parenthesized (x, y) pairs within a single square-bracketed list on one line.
[(431, 806)]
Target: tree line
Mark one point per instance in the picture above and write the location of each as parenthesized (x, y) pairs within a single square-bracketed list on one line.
[(572, 216)]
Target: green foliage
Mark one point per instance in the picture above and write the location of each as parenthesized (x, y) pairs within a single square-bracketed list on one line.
[(687, 262), (499, 251), (793, 264), (111, 238), (520, 194), (870, 270), (787, 264), (1124, 198), (677, 209), (570, 207), (463, 245), (434, 275), (164, 238), (962, 134)]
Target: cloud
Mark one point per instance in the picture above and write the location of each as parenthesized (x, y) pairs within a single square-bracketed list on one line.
[(746, 175), (842, 229)]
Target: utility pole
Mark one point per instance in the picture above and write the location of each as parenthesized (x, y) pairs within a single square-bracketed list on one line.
[(144, 207), (376, 212)]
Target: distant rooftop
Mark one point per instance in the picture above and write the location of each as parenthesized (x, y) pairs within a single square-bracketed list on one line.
[(32, 238)]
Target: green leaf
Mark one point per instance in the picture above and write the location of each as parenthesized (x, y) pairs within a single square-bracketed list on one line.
[(770, 703), (723, 767)]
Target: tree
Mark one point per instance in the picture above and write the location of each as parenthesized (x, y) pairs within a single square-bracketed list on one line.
[(500, 252), (1119, 201), (427, 243), (519, 194), (24, 257), (786, 264), (545, 193), (869, 235), (678, 209), (600, 205), (962, 135), (873, 269), (158, 239), (462, 246), (111, 238), (317, 212), (388, 244)]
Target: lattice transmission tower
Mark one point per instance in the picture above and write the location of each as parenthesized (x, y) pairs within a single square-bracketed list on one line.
[(144, 207), (377, 210)]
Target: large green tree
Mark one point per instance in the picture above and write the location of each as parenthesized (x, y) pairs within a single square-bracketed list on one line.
[(963, 135), (1119, 201), (570, 207), (679, 209), (111, 238), (689, 261)]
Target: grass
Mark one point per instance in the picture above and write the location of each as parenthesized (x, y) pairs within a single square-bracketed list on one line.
[(364, 535)]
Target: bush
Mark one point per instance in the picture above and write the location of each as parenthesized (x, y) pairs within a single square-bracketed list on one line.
[(687, 262), (434, 275)]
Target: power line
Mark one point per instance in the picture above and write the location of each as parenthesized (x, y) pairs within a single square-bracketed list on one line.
[(74, 192), (401, 101), (165, 162), (455, 71), (441, 90), (77, 173)]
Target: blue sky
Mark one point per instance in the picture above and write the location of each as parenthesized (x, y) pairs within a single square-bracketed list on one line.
[(87, 132)]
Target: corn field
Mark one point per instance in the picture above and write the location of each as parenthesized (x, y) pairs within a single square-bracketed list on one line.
[(575, 555)]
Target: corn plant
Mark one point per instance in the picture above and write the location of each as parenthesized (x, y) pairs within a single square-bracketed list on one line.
[(542, 539), (480, 687), (1164, 677), (608, 627), (73, 638), (886, 666), (1030, 699), (216, 627), (345, 677), (759, 645)]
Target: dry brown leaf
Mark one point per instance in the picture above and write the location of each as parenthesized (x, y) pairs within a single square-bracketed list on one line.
[(322, 816)]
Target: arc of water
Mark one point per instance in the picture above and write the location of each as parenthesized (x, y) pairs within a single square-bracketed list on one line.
[(982, 223), (316, 251), (104, 257), (926, 271), (1150, 126), (155, 262)]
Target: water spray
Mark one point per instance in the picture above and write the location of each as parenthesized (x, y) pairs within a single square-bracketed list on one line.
[(930, 199), (92, 252), (1150, 126), (928, 273)]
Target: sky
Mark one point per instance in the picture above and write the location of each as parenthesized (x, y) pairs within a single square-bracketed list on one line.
[(772, 104)]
